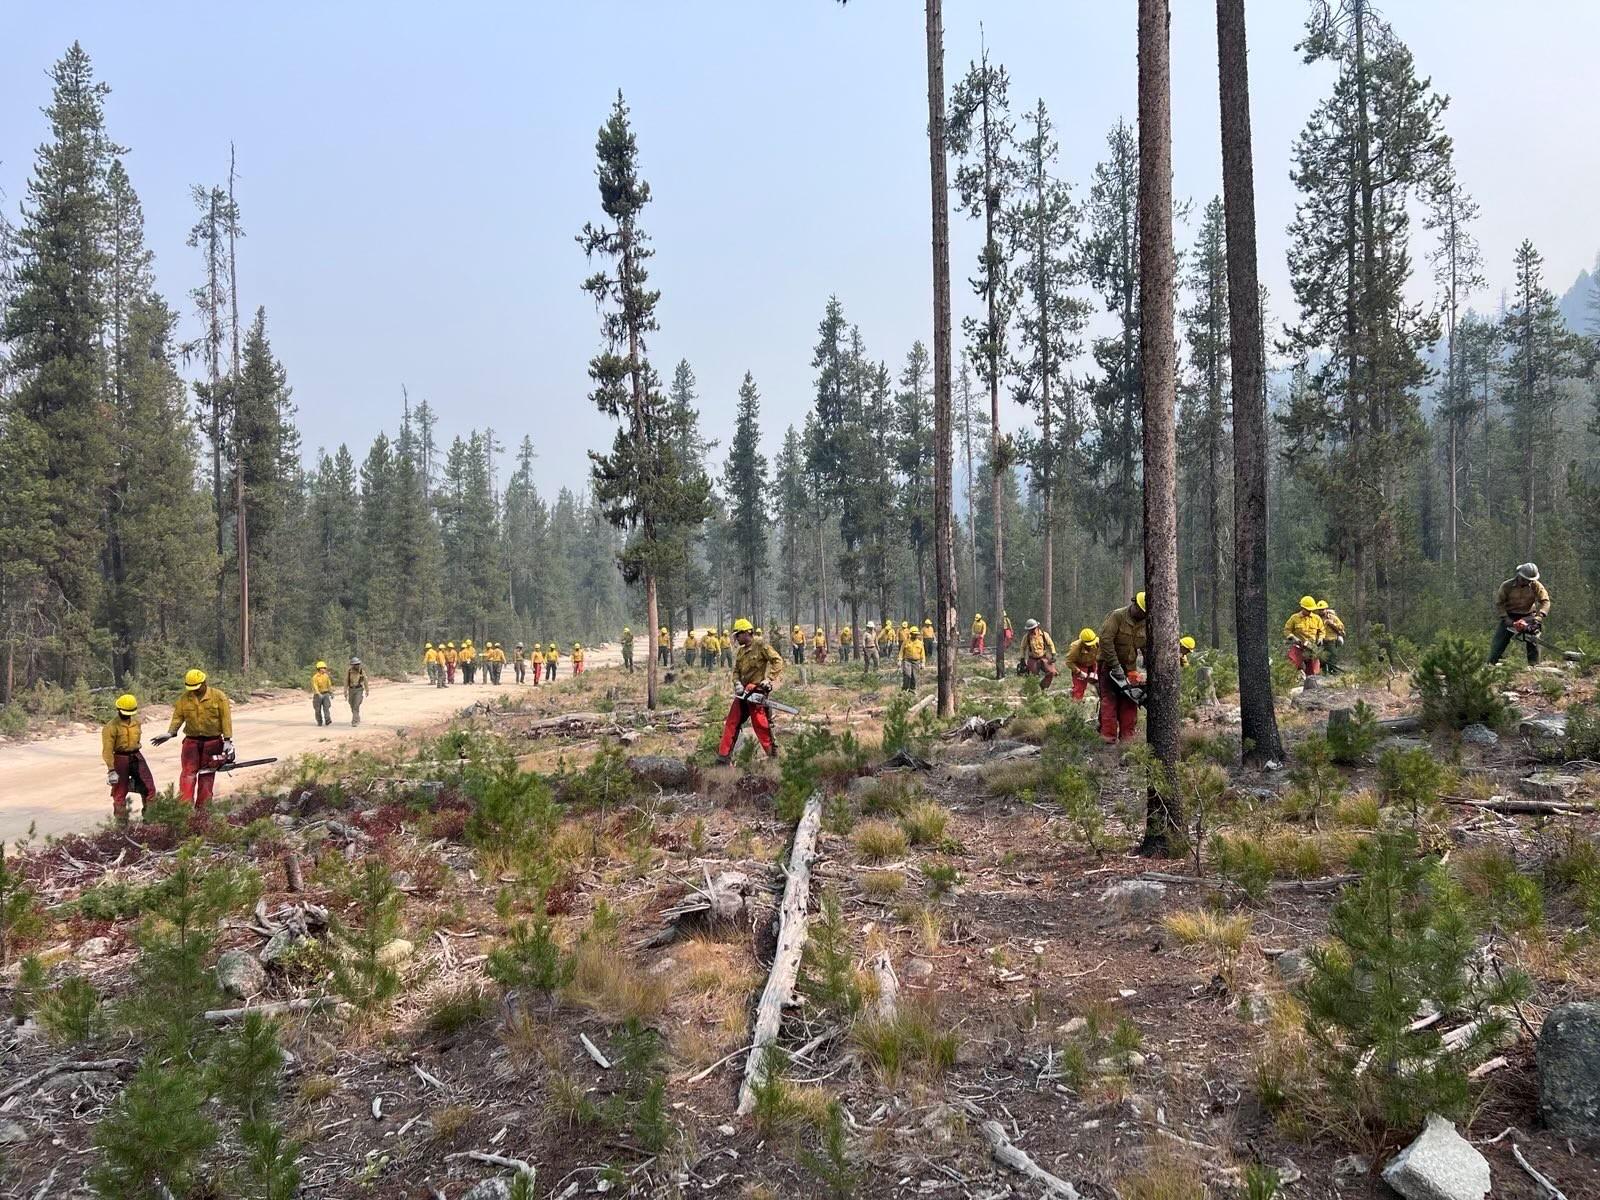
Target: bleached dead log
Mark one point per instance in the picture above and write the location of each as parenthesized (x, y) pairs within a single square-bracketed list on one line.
[(723, 899), (1508, 807), (275, 1008), (921, 704), (792, 928), (888, 985), (593, 1052), (62, 1068), (1009, 1156)]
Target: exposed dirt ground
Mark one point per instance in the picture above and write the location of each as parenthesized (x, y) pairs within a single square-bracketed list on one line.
[(1112, 1053)]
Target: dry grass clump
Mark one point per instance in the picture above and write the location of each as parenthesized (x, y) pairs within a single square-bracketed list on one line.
[(879, 841), (913, 1042), (1222, 935), (881, 885), (925, 822), (1010, 780), (606, 981), (1164, 1176)]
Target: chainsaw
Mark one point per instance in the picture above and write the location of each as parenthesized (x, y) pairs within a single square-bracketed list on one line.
[(235, 766), (756, 696)]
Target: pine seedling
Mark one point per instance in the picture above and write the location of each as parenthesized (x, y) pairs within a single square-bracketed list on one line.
[(1411, 779), (1203, 786), (244, 1066), (269, 1170), (831, 1162), (151, 1139), (1458, 688), (361, 974), (19, 909), (1315, 784), (1400, 936), (827, 965), (32, 982), (1351, 741), (70, 1011), (1078, 793)]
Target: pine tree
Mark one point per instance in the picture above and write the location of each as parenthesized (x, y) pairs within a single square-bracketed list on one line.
[(1543, 353), (262, 459), (793, 505), (1204, 419), (1365, 155), (1113, 267), (744, 482), (641, 482), (981, 136), (1043, 237), (912, 442), (57, 451)]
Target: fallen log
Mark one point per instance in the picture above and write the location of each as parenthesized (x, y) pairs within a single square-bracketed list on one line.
[(792, 928), (888, 986), (62, 1068), (921, 704), (1508, 807), (1009, 1156), (1326, 883), (275, 1008)]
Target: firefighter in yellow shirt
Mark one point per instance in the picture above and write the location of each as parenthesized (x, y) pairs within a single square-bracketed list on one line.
[(322, 694), (664, 646), (577, 658), (451, 660), (819, 645), (551, 657), (797, 645), (912, 656), (980, 630), (1083, 660), (206, 718), (126, 769), (432, 665), (1304, 632)]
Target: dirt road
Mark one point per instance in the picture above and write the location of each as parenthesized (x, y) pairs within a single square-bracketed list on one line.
[(58, 785)]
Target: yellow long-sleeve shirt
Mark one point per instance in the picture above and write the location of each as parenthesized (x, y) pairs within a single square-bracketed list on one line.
[(209, 715), (911, 648), (1083, 656), (1304, 627), (1038, 644), (118, 736), (756, 662), (321, 682), (552, 655)]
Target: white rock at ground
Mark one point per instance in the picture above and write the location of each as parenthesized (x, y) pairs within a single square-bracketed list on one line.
[(1546, 785), (1479, 735), (1293, 965), (1439, 1165), (95, 947)]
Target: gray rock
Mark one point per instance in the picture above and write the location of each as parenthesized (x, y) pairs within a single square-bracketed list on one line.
[(13, 1133), (1568, 1056), (1293, 965), (240, 973), (1479, 735), (1017, 753), (1402, 744), (864, 789), (663, 770), (1134, 897), (1351, 1164), (393, 953), (943, 1122), (1547, 785), (918, 968), (489, 1189), (1439, 1165), (95, 947), (1319, 699), (1254, 1006), (279, 946), (71, 1081), (1546, 736)]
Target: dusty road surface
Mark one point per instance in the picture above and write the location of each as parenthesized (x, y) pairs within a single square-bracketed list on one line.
[(58, 785)]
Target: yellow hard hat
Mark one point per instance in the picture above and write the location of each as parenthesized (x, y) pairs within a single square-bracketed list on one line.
[(321, 666), (194, 678), (577, 645), (625, 629), (1187, 642), (1139, 601), (429, 646), (1309, 603), (127, 704), (977, 616), (1088, 636), (741, 625), (1323, 605)]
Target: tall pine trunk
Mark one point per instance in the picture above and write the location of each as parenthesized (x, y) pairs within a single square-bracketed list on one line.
[(1159, 354), (991, 206), (943, 446), (1258, 719), (242, 536)]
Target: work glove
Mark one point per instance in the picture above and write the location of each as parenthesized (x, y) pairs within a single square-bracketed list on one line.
[(1520, 625), (764, 686), (111, 778), (227, 749)]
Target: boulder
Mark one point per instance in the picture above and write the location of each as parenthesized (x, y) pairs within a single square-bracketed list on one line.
[(95, 947), (1479, 735), (1568, 1056), (1547, 785), (71, 1081), (240, 974), (279, 946), (663, 770), (13, 1133), (488, 1189), (1134, 897), (1319, 699), (1439, 1165), (1293, 966), (1546, 736)]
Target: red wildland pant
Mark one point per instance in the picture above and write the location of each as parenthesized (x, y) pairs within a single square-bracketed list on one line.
[(977, 643), (1305, 661), (760, 721), (1044, 667), (199, 752), (1080, 683), (1119, 716), (133, 774)]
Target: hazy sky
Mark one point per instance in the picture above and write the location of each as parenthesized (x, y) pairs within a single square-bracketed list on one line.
[(413, 174)]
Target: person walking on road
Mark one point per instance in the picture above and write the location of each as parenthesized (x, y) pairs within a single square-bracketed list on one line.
[(756, 668), (577, 658), (627, 648), (322, 694), (126, 769), (519, 663), (551, 657), (431, 664), (355, 689), (206, 718)]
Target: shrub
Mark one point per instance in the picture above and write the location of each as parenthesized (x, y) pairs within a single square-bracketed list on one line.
[(1223, 936), (925, 823), (896, 725), (455, 1010), (1314, 783), (1202, 788), (1399, 936), (1078, 792), (530, 958), (244, 1065), (1583, 731), (151, 1139), (70, 1011), (831, 1163), (942, 878), (19, 910), (800, 772), (1501, 894), (1458, 688), (604, 782), (513, 815), (1242, 860), (1411, 779)]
